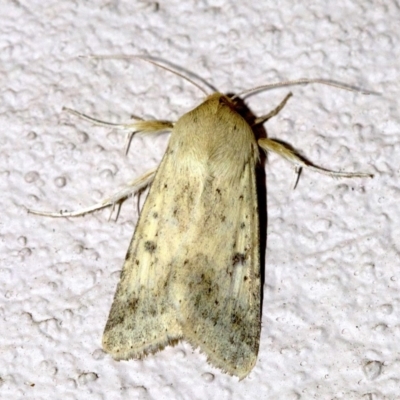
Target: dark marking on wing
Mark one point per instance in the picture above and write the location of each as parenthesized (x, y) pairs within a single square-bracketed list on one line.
[(238, 258), (133, 303), (150, 246), (128, 254)]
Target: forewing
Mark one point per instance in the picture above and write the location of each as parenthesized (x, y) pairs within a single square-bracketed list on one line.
[(143, 317), (220, 276)]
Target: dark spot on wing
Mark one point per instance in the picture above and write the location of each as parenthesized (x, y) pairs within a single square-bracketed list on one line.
[(150, 246), (238, 258), (132, 304), (128, 254), (236, 319), (153, 310)]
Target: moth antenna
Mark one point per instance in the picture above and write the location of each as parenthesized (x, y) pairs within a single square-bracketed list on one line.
[(122, 57), (302, 82), (174, 72)]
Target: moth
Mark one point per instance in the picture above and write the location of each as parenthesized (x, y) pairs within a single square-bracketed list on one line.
[(192, 270)]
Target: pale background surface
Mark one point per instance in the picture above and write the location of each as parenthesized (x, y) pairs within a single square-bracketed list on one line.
[(331, 313)]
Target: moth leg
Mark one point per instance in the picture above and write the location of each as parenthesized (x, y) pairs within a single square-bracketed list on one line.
[(133, 187), (288, 154), (140, 126), (264, 118)]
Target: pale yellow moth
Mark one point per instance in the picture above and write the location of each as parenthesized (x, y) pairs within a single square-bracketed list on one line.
[(192, 270)]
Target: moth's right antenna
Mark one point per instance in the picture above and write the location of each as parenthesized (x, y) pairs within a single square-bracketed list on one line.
[(301, 82)]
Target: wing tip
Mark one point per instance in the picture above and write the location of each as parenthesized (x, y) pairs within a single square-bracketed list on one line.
[(219, 357)]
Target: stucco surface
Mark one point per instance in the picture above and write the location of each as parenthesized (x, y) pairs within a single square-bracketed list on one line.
[(331, 308)]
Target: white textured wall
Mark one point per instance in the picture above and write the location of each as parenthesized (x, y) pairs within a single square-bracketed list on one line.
[(331, 312)]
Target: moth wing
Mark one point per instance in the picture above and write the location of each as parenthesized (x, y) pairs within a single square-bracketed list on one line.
[(219, 280), (143, 318), (216, 283)]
